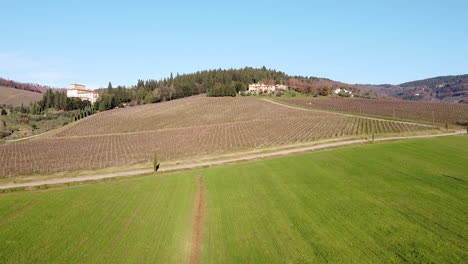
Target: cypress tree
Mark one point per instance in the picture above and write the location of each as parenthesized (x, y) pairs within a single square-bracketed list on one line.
[(155, 162)]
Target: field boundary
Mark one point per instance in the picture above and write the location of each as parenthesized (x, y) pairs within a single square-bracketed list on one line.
[(247, 157)]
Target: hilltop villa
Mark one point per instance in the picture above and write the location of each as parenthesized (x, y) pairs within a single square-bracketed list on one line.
[(266, 88), (79, 91)]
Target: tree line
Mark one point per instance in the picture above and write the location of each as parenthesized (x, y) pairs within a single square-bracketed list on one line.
[(212, 82), (58, 100), (217, 82)]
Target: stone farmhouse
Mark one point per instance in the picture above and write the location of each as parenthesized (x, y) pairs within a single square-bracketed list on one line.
[(343, 91), (266, 88), (79, 91)]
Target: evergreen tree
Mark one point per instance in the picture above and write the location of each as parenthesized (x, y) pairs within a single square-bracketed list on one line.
[(109, 88)]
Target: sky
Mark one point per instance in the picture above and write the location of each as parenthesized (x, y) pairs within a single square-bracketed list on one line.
[(57, 43)]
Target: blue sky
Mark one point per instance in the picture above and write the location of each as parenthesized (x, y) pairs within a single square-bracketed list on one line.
[(93, 42)]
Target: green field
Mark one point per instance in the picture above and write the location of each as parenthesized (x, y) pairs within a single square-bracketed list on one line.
[(147, 220), (390, 202)]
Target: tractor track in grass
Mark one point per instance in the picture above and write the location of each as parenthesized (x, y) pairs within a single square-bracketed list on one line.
[(198, 222), (16, 213), (240, 157)]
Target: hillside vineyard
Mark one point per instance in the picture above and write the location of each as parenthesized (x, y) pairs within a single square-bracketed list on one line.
[(182, 128), (420, 111)]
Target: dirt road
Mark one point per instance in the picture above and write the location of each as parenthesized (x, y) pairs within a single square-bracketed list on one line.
[(25, 138), (217, 162)]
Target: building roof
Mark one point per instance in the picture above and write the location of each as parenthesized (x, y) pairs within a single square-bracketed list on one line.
[(76, 86)]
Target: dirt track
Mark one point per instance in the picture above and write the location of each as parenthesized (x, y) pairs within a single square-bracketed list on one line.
[(198, 222), (216, 162)]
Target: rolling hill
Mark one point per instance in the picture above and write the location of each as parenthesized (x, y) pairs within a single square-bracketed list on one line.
[(186, 128), (17, 93), (16, 97), (419, 111), (33, 87), (444, 88)]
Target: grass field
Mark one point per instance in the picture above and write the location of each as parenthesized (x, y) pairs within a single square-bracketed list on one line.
[(140, 221), (386, 203), (379, 203)]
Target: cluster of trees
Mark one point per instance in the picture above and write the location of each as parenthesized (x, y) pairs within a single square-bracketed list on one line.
[(58, 100), (212, 82), (82, 113), (51, 99), (113, 97), (222, 90), (312, 85)]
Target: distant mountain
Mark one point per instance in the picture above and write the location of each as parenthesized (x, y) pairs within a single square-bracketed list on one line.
[(453, 88), (37, 88)]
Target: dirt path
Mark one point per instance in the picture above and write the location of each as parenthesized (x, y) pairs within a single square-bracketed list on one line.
[(349, 115), (218, 162), (198, 222), (25, 138)]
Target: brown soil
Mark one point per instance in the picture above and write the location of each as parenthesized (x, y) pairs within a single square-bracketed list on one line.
[(198, 221)]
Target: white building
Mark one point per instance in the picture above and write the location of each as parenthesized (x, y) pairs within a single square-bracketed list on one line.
[(342, 91), (266, 88), (79, 91)]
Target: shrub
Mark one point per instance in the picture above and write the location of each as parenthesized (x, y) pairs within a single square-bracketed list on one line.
[(344, 94)]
